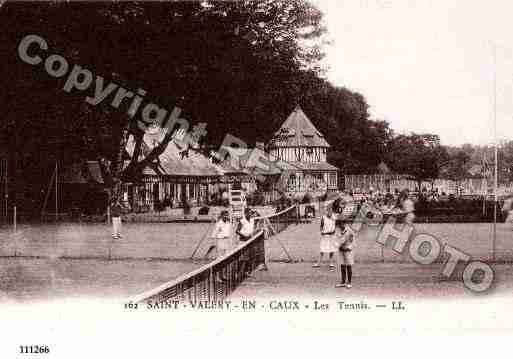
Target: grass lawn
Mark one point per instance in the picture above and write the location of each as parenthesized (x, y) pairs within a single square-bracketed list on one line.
[(82, 260)]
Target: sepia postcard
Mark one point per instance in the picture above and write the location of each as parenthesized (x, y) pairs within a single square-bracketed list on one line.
[(255, 178)]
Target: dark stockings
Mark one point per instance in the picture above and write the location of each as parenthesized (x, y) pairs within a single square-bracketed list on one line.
[(346, 270)]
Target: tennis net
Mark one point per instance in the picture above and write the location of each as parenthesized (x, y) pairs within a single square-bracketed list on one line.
[(214, 281), (277, 222), (218, 279)]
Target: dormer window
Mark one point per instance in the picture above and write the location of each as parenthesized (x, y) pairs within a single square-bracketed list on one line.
[(290, 132)]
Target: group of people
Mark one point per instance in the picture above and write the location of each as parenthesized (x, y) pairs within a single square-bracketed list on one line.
[(388, 203), (222, 233), (338, 239)]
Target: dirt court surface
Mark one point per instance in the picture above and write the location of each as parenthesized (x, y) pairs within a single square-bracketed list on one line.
[(45, 262), (370, 280)]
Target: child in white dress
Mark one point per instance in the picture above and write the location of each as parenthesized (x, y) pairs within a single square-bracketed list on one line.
[(327, 242)]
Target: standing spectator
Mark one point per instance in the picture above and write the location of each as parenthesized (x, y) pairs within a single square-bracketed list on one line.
[(327, 245), (507, 208), (408, 207), (388, 205), (115, 212)]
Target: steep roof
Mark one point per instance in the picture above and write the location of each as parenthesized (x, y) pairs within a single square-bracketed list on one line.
[(171, 161), (253, 161), (299, 131)]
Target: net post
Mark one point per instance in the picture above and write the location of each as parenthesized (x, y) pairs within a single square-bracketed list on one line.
[(14, 219), (195, 289), (211, 288)]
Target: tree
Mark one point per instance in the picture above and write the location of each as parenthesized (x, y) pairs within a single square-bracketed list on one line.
[(418, 156), (229, 64), (458, 166), (505, 162)]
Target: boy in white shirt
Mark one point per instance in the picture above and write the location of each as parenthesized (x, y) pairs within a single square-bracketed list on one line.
[(346, 255), (222, 233), (246, 226)]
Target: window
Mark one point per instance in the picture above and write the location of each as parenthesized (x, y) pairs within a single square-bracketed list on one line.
[(292, 182), (298, 154), (332, 179), (191, 190)]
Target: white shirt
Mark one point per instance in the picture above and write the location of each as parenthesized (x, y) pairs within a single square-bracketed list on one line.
[(222, 229), (348, 238), (508, 205), (247, 227), (328, 224)]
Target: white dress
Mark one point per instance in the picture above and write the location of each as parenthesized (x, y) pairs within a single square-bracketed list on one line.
[(328, 244)]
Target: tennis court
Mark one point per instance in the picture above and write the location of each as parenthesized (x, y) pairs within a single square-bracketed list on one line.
[(73, 260)]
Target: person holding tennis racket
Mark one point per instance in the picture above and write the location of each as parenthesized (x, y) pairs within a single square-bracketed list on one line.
[(222, 233), (327, 244)]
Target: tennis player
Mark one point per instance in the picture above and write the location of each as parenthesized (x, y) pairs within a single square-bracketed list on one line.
[(222, 233), (327, 243), (346, 255), (115, 212), (245, 230), (246, 226)]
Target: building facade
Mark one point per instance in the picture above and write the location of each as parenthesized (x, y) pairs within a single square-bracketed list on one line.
[(302, 154)]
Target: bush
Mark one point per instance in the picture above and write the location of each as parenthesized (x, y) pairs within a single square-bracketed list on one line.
[(457, 209), (203, 210)]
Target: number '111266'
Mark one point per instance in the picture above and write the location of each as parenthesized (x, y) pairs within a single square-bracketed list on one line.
[(34, 349)]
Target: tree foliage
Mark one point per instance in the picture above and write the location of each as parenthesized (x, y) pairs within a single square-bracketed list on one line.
[(419, 156), (241, 67), (458, 165)]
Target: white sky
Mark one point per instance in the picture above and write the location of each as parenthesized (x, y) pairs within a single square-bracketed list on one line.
[(426, 65)]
